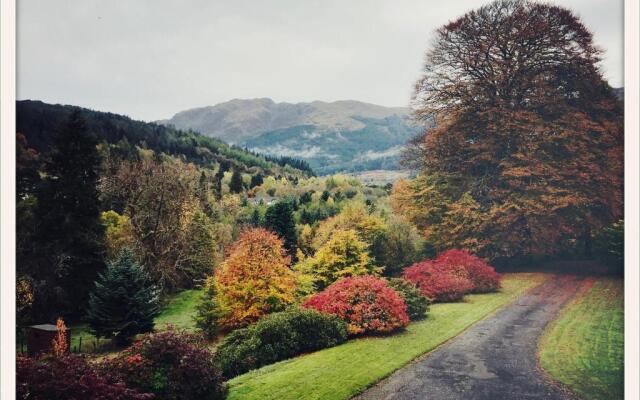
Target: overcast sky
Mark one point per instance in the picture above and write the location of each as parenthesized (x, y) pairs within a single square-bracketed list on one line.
[(152, 58)]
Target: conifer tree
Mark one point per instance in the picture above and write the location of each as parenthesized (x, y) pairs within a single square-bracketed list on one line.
[(279, 219), (200, 253), (256, 180), (256, 219), (207, 313), (235, 185), (217, 178), (70, 237), (123, 302)]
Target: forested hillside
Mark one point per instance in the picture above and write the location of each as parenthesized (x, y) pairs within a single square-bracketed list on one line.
[(38, 121)]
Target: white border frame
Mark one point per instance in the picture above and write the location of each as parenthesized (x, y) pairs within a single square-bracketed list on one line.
[(632, 216), (7, 199)]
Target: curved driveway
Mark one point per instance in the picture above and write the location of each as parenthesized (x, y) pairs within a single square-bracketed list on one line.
[(495, 359)]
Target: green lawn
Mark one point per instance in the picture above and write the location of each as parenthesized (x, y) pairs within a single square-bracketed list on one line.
[(343, 371), (584, 347), (178, 311)]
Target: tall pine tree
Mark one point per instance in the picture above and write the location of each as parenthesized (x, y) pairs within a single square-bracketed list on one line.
[(70, 236)]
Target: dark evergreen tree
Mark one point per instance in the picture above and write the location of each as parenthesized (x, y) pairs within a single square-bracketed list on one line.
[(217, 183), (27, 166), (235, 185), (279, 219), (306, 197), (203, 185), (256, 219), (70, 237), (217, 186), (325, 195), (256, 180), (203, 191), (306, 217), (123, 303)]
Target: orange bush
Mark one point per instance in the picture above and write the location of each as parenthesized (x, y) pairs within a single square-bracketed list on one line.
[(254, 280), (59, 343)]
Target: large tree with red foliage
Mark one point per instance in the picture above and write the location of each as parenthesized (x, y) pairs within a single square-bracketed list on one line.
[(523, 126)]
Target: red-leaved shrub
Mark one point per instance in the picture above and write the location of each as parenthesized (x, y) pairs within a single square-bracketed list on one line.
[(439, 282), (484, 277), (451, 275), (365, 303), (173, 365), (68, 377)]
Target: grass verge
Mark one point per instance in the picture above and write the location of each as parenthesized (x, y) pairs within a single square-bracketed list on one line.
[(584, 347), (178, 311), (344, 371)]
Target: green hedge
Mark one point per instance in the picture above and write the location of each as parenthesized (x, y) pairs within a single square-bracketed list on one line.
[(417, 304), (277, 337)]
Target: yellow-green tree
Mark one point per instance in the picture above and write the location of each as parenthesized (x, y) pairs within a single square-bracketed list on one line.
[(118, 233), (461, 226), (342, 256), (354, 216), (420, 200), (201, 249)]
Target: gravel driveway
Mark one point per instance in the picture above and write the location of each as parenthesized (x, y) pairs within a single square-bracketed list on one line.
[(494, 359)]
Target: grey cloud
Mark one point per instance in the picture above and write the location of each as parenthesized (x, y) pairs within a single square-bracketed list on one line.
[(150, 58)]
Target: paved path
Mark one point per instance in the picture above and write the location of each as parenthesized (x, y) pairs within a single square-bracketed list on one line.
[(495, 359)]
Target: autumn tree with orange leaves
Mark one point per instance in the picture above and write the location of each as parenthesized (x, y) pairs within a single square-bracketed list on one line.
[(254, 280), (523, 153)]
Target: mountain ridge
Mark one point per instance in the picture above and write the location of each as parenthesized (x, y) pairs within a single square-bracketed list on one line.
[(332, 136), (221, 120)]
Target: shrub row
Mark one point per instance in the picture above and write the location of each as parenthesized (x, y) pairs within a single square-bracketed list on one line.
[(170, 365), (70, 377), (173, 364), (277, 337), (451, 275)]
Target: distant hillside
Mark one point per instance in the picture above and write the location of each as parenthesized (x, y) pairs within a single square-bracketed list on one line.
[(339, 136), (38, 122)]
